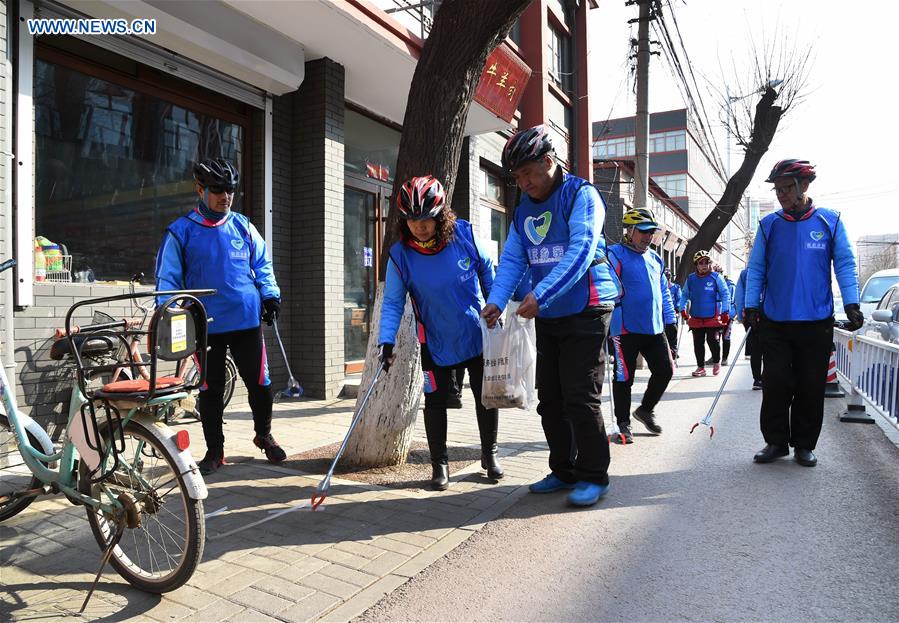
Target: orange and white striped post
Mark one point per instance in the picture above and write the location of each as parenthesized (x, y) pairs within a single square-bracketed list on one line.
[(832, 389)]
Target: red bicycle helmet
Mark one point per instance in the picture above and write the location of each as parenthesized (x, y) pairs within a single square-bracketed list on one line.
[(526, 146), (792, 168), (421, 198)]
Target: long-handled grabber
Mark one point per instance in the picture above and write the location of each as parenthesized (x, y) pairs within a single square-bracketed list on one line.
[(707, 420), (321, 492), (613, 430), (680, 330), (293, 389)]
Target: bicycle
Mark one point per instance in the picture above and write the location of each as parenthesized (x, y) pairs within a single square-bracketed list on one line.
[(118, 458), (188, 369)]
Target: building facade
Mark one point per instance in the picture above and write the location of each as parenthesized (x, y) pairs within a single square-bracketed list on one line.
[(307, 98), (681, 164)]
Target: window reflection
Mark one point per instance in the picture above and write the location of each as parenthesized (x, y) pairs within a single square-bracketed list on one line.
[(114, 168)]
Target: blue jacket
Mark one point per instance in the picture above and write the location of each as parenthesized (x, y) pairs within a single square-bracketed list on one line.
[(790, 266), (675, 295), (447, 289), (740, 295), (229, 256), (561, 240), (708, 296), (646, 304), (731, 288)]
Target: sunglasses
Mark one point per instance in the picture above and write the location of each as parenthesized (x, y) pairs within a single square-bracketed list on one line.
[(218, 190)]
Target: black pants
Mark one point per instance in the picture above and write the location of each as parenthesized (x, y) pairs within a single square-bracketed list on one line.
[(671, 336), (457, 379), (796, 357), (248, 351), (754, 350), (569, 388), (439, 383), (725, 340), (710, 336), (655, 351)]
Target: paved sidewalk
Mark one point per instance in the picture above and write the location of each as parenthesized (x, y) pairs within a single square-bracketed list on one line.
[(330, 565)]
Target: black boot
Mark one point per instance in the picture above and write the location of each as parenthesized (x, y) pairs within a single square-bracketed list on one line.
[(439, 476), (489, 462), (488, 423), (435, 430)]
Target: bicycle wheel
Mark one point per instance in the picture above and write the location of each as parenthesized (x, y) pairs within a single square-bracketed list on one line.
[(163, 548), (230, 377), (14, 474)]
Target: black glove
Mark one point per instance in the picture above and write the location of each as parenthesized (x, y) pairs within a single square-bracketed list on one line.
[(751, 318), (385, 356), (271, 308), (855, 316)]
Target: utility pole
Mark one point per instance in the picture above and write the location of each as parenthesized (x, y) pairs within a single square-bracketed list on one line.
[(641, 147)]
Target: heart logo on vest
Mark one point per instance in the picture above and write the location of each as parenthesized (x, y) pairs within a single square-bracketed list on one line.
[(464, 263), (237, 243), (816, 235), (536, 227)]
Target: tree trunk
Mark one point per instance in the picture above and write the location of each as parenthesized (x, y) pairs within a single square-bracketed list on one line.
[(767, 117), (464, 34)]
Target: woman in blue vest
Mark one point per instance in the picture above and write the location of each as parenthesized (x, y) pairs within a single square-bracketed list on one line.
[(441, 265), (709, 304), (726, 331), (789, 301)]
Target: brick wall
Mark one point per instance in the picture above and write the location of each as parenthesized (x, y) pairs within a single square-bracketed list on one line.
[(316, 234)]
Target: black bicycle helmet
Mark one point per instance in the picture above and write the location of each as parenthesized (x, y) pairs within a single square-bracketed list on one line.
[(421, 198), (526, 146), (802, 169), (216, 173)]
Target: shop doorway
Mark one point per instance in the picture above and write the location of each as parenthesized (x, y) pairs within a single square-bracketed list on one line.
[(365, 211)]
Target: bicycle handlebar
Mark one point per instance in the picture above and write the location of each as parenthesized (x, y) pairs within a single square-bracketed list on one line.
[(7, 265)]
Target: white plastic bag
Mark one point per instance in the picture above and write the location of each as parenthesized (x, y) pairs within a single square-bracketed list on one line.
[(510, 364)]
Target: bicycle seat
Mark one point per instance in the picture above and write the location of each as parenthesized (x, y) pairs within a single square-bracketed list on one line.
[(93, 345)]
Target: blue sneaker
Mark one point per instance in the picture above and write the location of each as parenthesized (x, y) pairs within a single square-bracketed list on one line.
[(549, 484), (587, 493)]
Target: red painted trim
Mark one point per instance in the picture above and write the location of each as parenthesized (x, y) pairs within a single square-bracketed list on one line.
[(557, 21), (558, 93), (382, 21)]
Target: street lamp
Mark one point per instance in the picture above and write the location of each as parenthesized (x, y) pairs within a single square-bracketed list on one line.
[(730, 100)]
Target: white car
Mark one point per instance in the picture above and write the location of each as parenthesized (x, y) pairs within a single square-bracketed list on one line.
[(883, 323), (875, 287)]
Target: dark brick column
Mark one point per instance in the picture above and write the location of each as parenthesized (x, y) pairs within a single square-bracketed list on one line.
[(316, 228)]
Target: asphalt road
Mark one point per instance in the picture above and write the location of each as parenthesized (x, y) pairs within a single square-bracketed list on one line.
[(691, 530)]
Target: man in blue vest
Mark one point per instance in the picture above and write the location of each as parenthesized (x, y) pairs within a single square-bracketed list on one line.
[(213, 247), (789, 301), (557, 232)]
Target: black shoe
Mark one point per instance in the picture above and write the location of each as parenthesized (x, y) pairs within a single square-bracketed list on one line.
[(439, 476), (624, 436), (757, 384), (647, 419), (489, 462), (770, 453), (273, 452), (805, 457), (454, 401), (213, 460)]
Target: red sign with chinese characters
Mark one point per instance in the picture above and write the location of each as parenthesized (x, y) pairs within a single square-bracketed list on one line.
[(502, 83)]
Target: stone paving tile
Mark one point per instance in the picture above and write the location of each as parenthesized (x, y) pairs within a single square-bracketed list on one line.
[(261, 601), (310, 608), (280, 587), (242, 579), (396, 546), (302, 568), (385, 563), (192, 597), (363, 600), (359, 549), (271, 566), (432, 554), (345, 574), (220, 610), (251, 616), (345, 558), (329, 585)]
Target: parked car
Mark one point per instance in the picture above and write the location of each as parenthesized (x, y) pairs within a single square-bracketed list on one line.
[(875, 287), (883, 323)]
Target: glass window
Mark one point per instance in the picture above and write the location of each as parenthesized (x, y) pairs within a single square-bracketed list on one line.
[(492, 187), (615, 147), (559, 137), (559, 59), (675, 140), (114, 168), (370, 148), (673, 185), (515, 33)]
